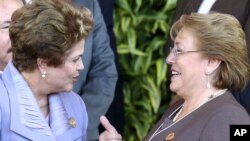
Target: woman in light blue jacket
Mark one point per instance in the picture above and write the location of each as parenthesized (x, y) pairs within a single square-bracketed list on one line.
[(36, 98)]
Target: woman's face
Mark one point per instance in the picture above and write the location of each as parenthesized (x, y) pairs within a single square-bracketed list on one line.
[(62, 78), (7, 7), (187, 64)]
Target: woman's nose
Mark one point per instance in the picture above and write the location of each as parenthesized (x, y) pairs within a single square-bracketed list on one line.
[(170, 58), (80, 65)]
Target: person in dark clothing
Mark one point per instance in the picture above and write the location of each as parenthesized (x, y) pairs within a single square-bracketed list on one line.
[(203, 75), (116, 111)]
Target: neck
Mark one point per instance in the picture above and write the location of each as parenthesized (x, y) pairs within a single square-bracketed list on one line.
[(38, 90), (44, 105), (2, 66)]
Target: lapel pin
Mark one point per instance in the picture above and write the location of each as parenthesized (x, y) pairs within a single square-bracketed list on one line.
[(72, 122), (170, 136)]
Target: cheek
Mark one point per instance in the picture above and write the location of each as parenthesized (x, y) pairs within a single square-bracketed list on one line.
[(188, 69), (58, 75), (64, 74), (67, 72), (4, 40), (69, 69), (193, 74)]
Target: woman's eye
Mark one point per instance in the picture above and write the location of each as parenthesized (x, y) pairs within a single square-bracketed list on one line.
[(4, 26), (75, 60), (178, 50)]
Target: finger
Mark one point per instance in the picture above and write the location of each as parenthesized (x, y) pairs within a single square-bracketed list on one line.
[(109, 136), (106, 124)]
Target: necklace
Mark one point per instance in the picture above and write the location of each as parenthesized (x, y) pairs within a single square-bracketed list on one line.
[(212, 96)]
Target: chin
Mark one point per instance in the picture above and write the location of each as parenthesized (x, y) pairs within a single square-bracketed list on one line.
[(68, 88), (173, 88)]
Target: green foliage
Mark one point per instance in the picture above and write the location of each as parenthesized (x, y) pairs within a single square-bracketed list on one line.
[(141, 29)]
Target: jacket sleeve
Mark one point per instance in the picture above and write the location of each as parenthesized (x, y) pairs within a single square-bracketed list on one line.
[(98, 90)]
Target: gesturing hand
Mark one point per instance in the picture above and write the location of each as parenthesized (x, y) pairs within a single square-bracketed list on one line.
[(110, 133)]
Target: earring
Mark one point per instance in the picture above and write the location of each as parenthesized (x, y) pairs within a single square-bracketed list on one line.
[(44, 74), (208, 81)]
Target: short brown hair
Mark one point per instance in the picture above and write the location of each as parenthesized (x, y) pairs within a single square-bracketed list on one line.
[(219, 36), (47, 29)]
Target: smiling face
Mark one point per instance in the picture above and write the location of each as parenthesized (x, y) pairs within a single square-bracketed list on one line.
[(187, 69), (61, 78), (7, 7)]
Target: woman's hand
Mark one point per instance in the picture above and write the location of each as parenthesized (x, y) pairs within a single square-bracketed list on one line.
[(110, 134)]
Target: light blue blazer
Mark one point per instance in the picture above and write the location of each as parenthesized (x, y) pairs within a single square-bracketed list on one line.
[(11, 127)]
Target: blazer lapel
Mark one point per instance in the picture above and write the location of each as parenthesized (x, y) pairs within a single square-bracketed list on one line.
[(163, 118), (16, 126), (75, 131), (15, 122)]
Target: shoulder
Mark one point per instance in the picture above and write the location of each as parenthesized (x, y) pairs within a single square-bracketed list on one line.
[(73, 98), (4, 98), (219, 115), (226, 108), (5, 105), (75, 107)]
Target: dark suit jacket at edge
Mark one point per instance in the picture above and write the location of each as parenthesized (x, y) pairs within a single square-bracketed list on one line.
[(97, 81)]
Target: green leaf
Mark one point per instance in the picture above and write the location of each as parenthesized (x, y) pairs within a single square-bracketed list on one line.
[(137, 52), (156, 44), (124, 5), (161, 71), (141, 29), (123, 49), (138, 5), (170, 4), (125, 23), (131, 37), (153, 91), (164, 26)]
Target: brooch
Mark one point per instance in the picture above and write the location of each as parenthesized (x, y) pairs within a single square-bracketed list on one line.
[(170, 136), (72, 122)]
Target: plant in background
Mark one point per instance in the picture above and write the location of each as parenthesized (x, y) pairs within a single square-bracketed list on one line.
[(141, 29)]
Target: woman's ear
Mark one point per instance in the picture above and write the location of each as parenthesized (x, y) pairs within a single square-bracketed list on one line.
[(212, 65), (41, 64)]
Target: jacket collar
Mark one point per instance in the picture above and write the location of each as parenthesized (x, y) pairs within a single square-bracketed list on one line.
[(18, 127)]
